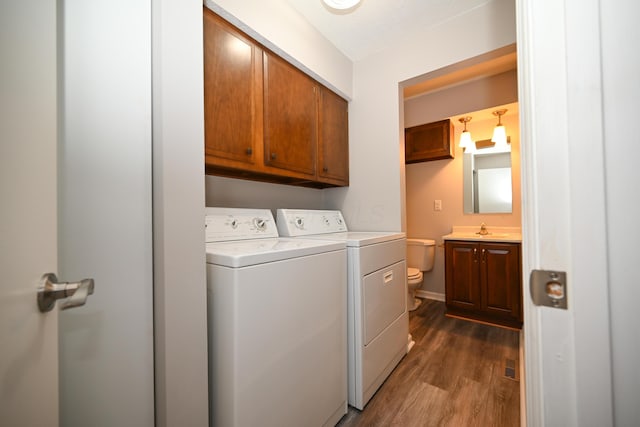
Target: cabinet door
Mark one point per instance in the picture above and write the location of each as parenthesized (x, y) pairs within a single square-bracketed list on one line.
[(333, 142), (461, 280), (500, 280), (232, 94), (290, 118)]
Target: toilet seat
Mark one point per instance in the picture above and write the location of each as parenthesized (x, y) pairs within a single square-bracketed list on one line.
[(413, 274)]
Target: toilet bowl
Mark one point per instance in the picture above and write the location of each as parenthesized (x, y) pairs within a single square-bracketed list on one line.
[(420, 257)]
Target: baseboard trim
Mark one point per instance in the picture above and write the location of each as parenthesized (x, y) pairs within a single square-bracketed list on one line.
[(420, 293)]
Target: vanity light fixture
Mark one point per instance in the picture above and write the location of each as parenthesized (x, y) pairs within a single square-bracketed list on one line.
[(341, 4), (465, 138), (499, 132)]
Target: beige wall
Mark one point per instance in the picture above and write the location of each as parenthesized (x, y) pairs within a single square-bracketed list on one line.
[(442, 180)]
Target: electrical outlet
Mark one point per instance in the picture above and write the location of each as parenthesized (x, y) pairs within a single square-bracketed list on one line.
[(437, 205)]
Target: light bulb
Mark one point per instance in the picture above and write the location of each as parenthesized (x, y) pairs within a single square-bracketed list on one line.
[(465, 139), (471, 148), (341, 4), (499, 137)]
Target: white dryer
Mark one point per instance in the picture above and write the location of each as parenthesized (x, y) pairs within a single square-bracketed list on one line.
[(276, 324), (378, 321)]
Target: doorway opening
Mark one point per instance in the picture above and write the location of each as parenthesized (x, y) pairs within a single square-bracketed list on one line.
[(434, 190)]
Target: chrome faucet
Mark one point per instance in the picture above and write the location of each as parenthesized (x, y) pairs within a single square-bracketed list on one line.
[(483, 230)]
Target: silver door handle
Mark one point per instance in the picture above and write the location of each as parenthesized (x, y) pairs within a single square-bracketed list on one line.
[(51, 290)]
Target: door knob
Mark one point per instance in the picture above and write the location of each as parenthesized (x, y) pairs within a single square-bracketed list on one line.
[(51, 290)]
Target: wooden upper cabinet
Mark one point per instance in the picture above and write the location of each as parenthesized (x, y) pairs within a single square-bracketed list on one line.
[(264, 118), (333, 143), (290, 117), (232, 89), (431, 141)]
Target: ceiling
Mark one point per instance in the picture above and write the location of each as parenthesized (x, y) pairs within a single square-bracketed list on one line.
[(375, 25)]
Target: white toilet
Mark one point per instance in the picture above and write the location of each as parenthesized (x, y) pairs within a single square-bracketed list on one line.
[(420, 256)]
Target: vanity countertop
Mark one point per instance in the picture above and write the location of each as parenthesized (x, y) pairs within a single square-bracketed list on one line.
[(495, 234)]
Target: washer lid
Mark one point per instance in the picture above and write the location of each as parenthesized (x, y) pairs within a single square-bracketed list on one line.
[(244, 253)]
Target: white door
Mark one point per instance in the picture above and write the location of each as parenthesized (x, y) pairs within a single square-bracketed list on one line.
[(76, 200), (578, 80), (28, 240)]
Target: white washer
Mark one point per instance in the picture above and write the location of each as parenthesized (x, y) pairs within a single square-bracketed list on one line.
[(276, 323), (378, 321)]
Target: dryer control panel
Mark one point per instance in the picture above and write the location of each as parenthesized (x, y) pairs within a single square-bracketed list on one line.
[(302, 222), (224, 224)]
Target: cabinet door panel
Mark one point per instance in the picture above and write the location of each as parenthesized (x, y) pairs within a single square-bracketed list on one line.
[(290, 117), (333, 144), (500, 279), (231, 87), (462, 290), (431, 141)]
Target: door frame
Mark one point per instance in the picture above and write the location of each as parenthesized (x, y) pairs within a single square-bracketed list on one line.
[(567, 357)]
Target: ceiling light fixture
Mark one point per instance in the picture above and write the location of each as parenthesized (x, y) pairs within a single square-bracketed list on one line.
[(499, 132), (341, 4), (465, 138)]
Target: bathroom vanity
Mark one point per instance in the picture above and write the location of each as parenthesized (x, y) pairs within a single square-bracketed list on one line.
[(483, 275)]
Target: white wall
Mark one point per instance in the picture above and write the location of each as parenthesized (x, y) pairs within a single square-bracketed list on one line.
[(238, 193), (180, 294), (621, 87), (375, 197)]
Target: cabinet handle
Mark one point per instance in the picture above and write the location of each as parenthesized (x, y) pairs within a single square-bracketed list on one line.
[(249, 151), (273, 156), (483, 255), (475, 255), (325, 169)]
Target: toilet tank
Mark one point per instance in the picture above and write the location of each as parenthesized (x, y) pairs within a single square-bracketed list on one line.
[(421, 253)]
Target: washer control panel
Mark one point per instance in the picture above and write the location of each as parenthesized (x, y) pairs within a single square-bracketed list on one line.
[(223, 224), (302, 222)]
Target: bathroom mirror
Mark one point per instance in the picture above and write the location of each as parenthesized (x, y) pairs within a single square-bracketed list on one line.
[(487, 181)]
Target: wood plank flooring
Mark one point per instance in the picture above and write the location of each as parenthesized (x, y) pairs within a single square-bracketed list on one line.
[(453, 376)]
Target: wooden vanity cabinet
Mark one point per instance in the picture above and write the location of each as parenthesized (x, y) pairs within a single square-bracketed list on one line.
[(430, 141), (483, 281), (265, 119)]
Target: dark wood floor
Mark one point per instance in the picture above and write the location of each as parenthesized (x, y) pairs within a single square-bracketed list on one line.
[(455, 375)]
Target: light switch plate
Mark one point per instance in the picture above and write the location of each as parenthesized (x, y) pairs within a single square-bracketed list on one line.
[(437, 205)]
